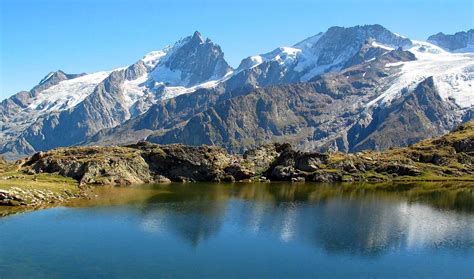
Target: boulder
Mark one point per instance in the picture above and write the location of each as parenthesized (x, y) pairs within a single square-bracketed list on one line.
[(310, 162), (281, 173)]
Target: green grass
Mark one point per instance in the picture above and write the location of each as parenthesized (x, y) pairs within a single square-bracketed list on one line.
[(429, 176), (43, 182)]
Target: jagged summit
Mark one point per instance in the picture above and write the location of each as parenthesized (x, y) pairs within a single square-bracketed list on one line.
[(197, 37), (191, 61)]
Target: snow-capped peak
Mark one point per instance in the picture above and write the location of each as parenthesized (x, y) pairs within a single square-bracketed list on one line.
[(48, 76), (379, 45), (67, 93), (191, 61), (152, 58), (325, 52)]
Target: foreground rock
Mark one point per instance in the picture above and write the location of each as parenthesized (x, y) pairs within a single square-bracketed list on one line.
[(448, 157), (138, 163)]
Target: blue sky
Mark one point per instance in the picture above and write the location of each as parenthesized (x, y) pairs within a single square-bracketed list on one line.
[(38, 36)]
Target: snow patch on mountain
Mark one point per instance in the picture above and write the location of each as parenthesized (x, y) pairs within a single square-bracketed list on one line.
[(152, 58), (134, 90), (379, 45), (174, 91), (165, 76), (67, 93), (255, 61), (285, 56), (453, 74)]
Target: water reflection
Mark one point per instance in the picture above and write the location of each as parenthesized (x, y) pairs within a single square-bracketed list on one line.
[(362, 220)]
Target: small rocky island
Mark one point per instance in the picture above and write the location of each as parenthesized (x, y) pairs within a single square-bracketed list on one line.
[(65, 173)]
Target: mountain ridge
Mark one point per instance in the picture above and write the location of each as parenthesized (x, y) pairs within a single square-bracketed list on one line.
[(195, 66)]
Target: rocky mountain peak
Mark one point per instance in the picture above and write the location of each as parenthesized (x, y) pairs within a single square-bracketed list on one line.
[(337, 39), (57, 76), (460, 41), (197, 37), (51, 75), (191, 61)]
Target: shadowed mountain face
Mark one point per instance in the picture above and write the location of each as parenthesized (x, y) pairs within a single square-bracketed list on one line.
[(313, 115), (456, 42), (346, 89), (418, 115)]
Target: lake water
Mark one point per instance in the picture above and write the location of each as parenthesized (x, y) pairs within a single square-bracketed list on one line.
[(277, 230)]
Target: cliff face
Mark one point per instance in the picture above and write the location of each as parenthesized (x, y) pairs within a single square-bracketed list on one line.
[(447, 157)]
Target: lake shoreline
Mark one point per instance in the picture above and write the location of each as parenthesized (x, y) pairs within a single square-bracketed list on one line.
[(18, 200), (159, 223), (66, 173)]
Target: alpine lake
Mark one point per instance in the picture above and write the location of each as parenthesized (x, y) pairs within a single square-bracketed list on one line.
[(248, 230)]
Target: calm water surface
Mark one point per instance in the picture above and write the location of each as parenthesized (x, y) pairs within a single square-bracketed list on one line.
[(246, 230)]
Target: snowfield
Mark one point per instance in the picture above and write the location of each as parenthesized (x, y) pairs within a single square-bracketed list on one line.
[(453, 74), (67, 93)]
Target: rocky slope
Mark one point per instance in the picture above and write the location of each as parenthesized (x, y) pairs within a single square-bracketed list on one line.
[(444, 158)]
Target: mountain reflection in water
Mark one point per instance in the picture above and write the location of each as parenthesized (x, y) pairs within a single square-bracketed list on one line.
[(254, 230), (349, 219)]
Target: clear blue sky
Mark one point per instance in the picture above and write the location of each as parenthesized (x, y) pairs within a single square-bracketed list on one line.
[(38, 36)]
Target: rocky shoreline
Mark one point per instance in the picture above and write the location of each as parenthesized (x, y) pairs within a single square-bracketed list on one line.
[(73, 170)]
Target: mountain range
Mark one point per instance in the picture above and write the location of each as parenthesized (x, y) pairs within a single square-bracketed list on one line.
[(346, 89)]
